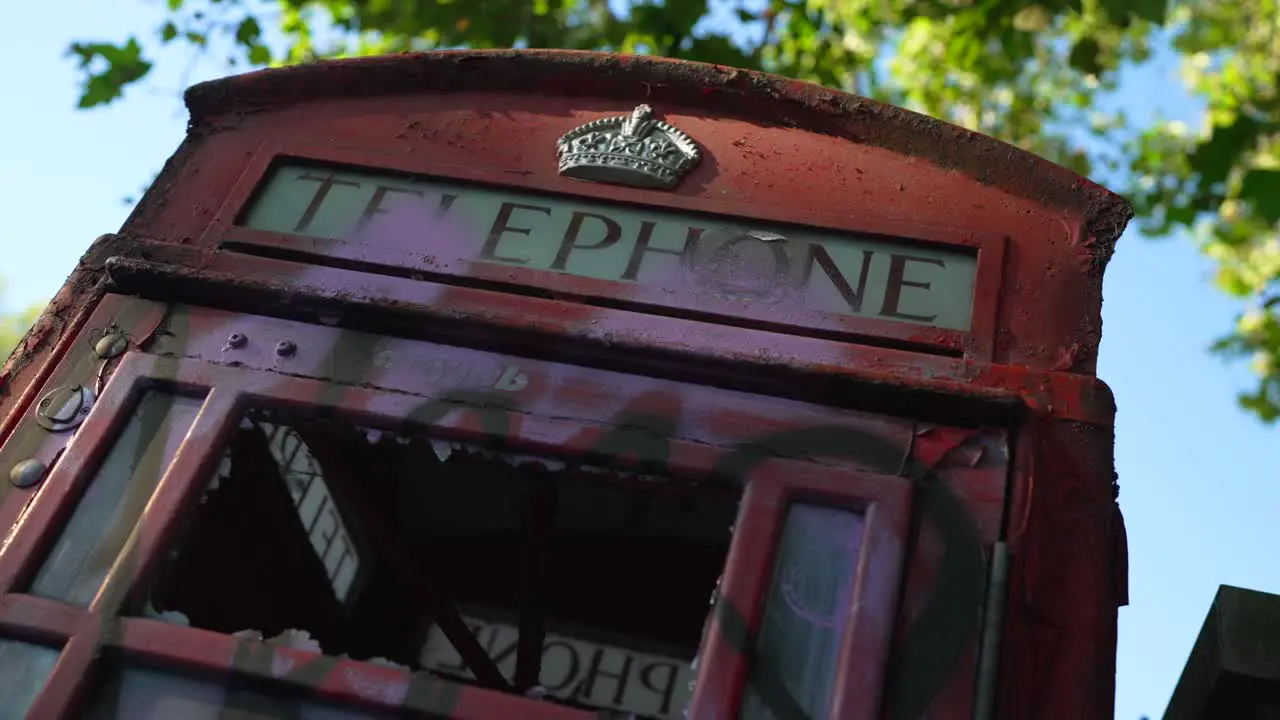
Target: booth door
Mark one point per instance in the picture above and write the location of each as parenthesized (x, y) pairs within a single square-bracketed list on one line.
[(554, 542)]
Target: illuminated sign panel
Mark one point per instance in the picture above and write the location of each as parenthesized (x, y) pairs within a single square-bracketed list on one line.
[(779, 272)]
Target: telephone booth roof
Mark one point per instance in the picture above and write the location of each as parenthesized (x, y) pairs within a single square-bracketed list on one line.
[(761, 97), (775, 151)]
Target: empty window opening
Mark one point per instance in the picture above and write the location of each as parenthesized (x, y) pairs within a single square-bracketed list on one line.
[(580, 586)]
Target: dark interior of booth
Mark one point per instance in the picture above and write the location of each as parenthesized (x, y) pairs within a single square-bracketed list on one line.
[(415, 520)]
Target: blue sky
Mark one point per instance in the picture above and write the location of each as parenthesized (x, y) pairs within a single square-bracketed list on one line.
[(1195, 472)]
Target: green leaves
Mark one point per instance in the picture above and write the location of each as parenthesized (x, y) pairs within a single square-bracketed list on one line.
[(249, 35), (248, 31), (718, 49), (108, 69), (1213, 159), (680, 16), (1153, 11), (1033, 18), (14, 326), (1086, 56), (259, 55), (1257, 336), (1261, 190), (1225, 182)]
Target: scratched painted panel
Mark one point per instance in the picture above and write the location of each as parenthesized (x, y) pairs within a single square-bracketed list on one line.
[(104, 517), (711, 415), (23, 670), (145, 694), (808, 606)]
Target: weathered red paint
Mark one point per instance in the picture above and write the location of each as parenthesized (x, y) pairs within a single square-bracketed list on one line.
[(1007, 416), (183, 273)]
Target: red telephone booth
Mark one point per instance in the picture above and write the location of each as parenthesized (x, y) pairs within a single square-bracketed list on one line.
[(569, 385)]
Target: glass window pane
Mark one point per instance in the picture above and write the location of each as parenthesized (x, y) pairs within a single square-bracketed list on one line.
[(808, 606), (115, 498), (144, 694), (23, 670)]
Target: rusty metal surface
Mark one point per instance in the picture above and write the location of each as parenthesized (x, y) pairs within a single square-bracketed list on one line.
[(1064, 592)]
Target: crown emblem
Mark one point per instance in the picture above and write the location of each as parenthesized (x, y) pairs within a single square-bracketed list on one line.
[(635, 149)]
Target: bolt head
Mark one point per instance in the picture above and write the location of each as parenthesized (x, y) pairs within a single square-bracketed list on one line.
[(113, 344), (26, 473), (236, 340), (285, 348)]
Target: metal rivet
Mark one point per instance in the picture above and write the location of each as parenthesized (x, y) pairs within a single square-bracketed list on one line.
[(285, 348), (26, 473), (111, 345), (236, 340), (64, 408)]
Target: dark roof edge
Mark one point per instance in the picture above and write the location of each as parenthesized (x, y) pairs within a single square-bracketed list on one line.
[(676, 82)]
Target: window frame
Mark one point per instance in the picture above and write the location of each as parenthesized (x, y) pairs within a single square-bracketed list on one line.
[(726, 655), (228, 391)]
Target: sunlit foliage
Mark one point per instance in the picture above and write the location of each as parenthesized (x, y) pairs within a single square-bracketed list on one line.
[(13, 327)]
